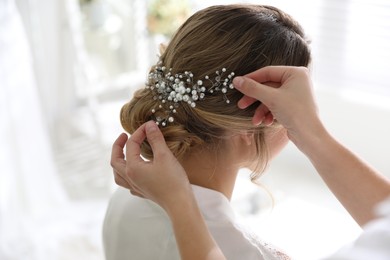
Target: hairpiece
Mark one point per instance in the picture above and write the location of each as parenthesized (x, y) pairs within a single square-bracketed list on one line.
[(172, 89)]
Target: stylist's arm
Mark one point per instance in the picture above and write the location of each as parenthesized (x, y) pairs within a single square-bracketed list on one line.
[(165, 182), (357, 186)]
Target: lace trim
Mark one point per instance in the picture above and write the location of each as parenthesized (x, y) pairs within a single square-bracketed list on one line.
[(269, 248)]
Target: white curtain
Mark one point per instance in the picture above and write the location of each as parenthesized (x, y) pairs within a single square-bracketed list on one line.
[(30, 190)]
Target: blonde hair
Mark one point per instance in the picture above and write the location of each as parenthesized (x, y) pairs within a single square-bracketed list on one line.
[(240, 38)]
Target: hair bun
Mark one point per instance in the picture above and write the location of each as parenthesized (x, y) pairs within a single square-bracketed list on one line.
[(138, 111)]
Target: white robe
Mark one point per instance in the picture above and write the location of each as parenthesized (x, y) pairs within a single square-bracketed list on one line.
[(374, 242), (139, 229)]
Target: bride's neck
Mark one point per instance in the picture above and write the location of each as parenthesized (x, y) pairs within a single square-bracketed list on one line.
[(207, 169)]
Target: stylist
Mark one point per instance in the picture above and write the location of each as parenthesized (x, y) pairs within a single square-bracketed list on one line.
[(357, 186)]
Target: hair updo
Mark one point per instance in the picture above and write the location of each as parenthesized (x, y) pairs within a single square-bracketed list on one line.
[(240, 38)]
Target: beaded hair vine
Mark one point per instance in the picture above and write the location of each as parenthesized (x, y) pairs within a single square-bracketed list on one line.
[(172, 89)]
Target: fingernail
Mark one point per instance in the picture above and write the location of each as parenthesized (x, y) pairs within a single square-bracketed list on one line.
[(151, 127), (237, 82)]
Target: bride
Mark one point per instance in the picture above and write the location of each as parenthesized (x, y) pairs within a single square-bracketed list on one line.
[(190, 96)]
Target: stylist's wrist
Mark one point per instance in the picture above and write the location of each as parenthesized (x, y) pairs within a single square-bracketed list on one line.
[(309, 136), (183, 201)]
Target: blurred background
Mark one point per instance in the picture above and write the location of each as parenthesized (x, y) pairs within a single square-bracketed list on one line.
[(67, 67)]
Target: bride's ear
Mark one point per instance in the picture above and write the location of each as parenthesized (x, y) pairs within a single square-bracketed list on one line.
[(247, 138)]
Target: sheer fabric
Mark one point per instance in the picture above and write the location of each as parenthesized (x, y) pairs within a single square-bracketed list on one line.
[(29, 186)]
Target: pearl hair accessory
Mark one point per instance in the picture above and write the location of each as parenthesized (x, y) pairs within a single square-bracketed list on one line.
[(172, 89)]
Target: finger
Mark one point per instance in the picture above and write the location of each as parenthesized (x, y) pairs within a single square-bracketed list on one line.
[(117, 156), (119, 180), (156, 140), (245, 102), (272, 84), (138, 194), (270, 73), (135, 190), (255, 90), (127, 184), (269, 119), (133, 145), (260, 114)]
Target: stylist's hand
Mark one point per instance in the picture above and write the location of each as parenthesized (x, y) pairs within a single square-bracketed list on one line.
[(292, 104), (162, 180)]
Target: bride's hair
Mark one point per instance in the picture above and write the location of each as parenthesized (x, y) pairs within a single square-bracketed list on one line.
[(240, 38)]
